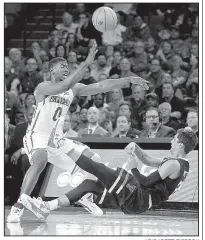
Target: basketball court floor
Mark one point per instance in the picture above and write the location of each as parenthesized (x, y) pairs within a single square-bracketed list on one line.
[(77, 221)]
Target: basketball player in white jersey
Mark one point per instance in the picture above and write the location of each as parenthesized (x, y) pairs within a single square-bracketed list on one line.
[(53, 101)]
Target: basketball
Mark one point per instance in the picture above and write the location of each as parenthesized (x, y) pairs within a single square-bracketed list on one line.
[(104, 19)]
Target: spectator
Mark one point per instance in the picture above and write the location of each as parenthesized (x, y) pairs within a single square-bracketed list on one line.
[(151, 49), (99, 101), (54, 39), (18, 63), (37, 53), (128, 49), (176, 42), (83, 123), (114, 37), (192, 95), (194, 59), (194, 38), (138, 104), (139, 30), (45, 45), (71, 43), (103, 77), (86, 31), (177, 104), (8, 127), (16, 149), (126, 109), (72, 62), (74, 106), (68, 131), (74, 122), (116, 99), (179, 76), (45, 73), (31, 78), (115, 71), (124, 128), (11, 79), (87, 79), (80, 8), (109, 55), (93, 126), (29, 102), (156, 74), (193, 122), (125, 67), (60, 51), (139, 60), (155, 128), (165, 55), (165, 116), (14, 109), (113, 118), (67, 24), (152, 100), (104, 120), (101, 67)]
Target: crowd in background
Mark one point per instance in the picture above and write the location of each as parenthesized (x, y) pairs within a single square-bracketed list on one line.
[(164, 53)]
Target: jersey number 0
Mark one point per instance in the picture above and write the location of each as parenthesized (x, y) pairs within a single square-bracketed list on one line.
[(57, 113)]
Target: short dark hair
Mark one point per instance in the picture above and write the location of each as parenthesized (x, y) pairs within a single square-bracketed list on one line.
[(188, 138), (84, 13), (55, 61), (60, 45), (127, 117), (170, 83), (127, 104)]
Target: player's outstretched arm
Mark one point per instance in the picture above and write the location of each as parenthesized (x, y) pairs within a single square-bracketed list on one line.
[(133, 148), (108, 84), (169, 169), (48, 88)]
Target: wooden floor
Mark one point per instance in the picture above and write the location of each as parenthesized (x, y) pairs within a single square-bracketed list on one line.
[(76, 221)]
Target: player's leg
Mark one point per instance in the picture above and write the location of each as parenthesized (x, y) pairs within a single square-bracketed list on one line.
[(74, 150), (42, 209), (39, 160)]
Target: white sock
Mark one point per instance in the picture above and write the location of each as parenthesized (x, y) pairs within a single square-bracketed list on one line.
[(53, 204), (62, 201)]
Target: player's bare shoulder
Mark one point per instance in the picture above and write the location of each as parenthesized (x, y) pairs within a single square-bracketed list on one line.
[(40, 91)]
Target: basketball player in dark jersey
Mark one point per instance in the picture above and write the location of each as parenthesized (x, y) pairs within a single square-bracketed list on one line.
[(134, 193)]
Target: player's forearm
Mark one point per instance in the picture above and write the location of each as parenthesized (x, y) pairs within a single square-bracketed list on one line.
[(146, 181), (75, 77), (109, 84), (143, 157)]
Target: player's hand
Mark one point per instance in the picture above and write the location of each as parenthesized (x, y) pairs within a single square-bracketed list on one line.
[(92, 52), (16, 156), (139, 81), (130, 149), (131, 163)]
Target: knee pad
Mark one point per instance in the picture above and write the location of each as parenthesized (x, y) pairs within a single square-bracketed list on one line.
[(96, 158)]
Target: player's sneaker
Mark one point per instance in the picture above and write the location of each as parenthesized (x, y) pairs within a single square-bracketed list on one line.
[(87, 202), (15, 228), (36, 206), (57, 133), (15, 214)]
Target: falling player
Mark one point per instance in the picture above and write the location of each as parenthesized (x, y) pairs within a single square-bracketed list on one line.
[(53, 100), (133, 193)]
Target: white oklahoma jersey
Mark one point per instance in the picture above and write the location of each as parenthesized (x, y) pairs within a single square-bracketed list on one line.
[(44, 118)]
